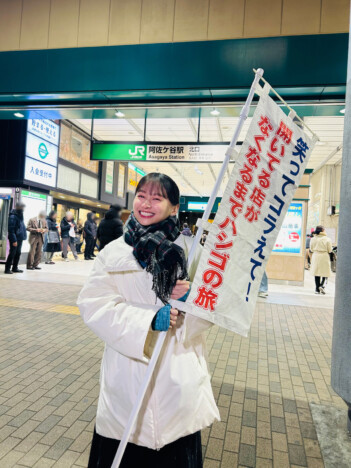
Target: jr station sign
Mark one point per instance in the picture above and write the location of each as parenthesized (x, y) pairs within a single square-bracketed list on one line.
[(160, 152)]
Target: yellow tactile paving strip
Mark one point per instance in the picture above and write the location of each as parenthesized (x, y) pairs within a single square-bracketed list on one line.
[(47, 306)]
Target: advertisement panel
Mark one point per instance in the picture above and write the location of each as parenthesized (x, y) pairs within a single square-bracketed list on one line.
[(109, 177), (290, 235), (75, 148), (121, 180), (134, 175)]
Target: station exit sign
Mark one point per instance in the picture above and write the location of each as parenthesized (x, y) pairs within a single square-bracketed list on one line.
[(170, 152)]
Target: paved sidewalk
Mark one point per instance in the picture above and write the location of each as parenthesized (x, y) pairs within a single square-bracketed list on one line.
[(50, 361)]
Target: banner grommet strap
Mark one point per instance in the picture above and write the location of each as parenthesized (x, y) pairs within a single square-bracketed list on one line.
[(205, 225)]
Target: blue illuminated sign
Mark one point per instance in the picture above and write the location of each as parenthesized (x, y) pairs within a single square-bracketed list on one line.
[(290, 235)]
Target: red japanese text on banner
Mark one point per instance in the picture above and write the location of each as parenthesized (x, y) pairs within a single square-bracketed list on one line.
[(266, 174)]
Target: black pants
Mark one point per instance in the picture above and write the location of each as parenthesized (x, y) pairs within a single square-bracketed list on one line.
[(320, 280), (183, 453), (89, 247), (14, 256)]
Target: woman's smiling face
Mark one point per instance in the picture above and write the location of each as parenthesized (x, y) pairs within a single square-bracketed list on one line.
[(151, 206)]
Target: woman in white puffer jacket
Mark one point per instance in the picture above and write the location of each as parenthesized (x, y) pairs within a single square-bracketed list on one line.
[(123, 302)]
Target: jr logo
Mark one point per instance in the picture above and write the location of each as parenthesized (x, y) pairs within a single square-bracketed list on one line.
[(138, 151)]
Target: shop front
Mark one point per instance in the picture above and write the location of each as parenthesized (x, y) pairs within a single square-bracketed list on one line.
[(46, 164), (29, 169)]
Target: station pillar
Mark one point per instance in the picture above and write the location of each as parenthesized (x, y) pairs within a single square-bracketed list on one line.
[(341, 346)]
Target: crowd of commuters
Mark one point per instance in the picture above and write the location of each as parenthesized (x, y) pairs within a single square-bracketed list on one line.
[(47, 236)]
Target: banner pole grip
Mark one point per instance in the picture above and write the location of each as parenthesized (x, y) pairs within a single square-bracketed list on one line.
[(162, 335)]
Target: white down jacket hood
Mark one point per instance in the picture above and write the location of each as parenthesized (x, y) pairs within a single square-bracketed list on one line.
[(118, 304)]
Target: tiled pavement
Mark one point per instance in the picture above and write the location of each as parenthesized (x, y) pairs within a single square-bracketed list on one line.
[(49, 368)]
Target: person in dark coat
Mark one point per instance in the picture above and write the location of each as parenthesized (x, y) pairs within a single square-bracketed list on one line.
[(111, 227), (90, 232), (51, 247), (79, 233), (68, 235), (17, 233)]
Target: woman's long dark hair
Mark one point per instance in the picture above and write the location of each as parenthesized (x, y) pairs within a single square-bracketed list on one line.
[(165, 184), (318, 230), (52, 213)]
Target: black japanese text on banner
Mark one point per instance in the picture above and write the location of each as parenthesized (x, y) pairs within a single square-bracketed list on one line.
[(271, 163)]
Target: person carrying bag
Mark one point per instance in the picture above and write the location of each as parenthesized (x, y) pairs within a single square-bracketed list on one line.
[(52, 242)]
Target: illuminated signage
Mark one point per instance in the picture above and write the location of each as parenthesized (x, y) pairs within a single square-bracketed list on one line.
[(290, 235), (42, 152), (196, 206), (158, 152)]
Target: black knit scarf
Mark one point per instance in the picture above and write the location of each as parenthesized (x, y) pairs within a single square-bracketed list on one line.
[(154, 246)]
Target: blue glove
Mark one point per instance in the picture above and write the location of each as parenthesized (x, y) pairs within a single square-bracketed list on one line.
[(162, 319)]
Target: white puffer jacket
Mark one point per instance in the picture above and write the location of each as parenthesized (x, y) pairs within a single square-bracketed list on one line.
[(118, 304)]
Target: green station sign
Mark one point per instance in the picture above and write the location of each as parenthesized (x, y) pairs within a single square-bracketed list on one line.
[(26, 193), (158, 152), (118, 152)]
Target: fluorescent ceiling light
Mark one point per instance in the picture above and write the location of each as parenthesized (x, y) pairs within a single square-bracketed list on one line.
[(214, 112), (341, 112), (19, 115), (119, 114)]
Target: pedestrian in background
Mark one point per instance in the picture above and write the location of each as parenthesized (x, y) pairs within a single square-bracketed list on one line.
[(90, 233), (68, 235), (203, 238), (308, 252), (52, 242), (16, 234), (321, 246), (37, 228), (111, 227), (186, 230), (79, 236)]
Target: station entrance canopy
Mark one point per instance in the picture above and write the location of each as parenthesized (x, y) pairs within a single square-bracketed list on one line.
[(173, 87), (91, 82)]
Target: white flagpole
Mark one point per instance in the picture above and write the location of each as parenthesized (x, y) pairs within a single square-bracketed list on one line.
[(228, 154), (162, 335)]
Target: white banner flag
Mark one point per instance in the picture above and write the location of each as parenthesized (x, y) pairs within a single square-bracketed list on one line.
[(266, 174)]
